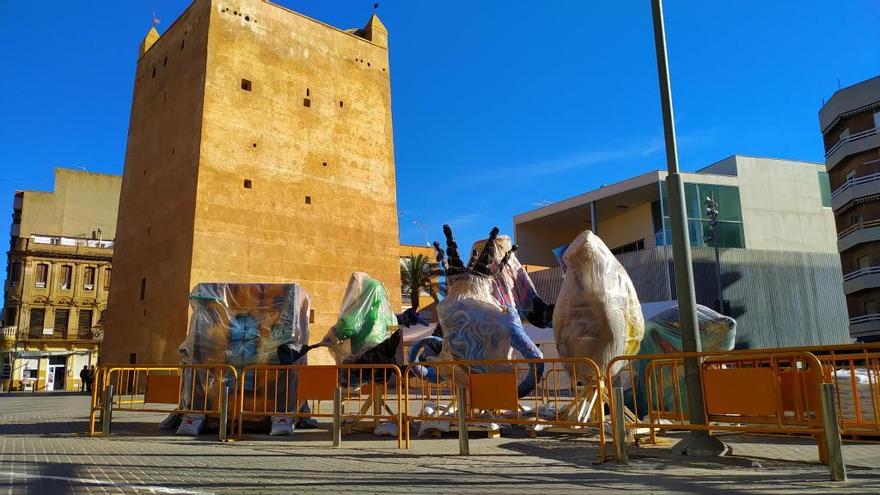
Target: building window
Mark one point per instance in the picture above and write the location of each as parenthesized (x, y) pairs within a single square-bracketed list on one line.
[(143, 288), (245, 85), (856, 219), (42, 275), (35, 327), (84, 326), (864, 261), (628, 248), (89, 278), (66, 276), (870, 307), (825, 189), (62, 316), (107, 274), (15, 274), (10, 316), (877, 119), (729, 230)]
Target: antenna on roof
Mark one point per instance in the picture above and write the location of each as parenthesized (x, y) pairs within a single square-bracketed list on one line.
[(155, 20), (376, 6)]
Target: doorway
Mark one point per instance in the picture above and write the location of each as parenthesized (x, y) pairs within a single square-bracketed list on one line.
[(56, 373)]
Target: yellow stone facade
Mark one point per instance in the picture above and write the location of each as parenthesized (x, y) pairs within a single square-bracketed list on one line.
[(58, 281), (260, 151)]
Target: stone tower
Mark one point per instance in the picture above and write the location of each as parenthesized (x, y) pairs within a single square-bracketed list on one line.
[(259, 150)]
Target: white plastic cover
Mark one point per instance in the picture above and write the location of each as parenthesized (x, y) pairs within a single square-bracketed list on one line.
[(191, 424), (281, 425), (597, 313)]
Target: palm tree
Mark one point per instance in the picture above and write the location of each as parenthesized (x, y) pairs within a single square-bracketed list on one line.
[(417, 274)]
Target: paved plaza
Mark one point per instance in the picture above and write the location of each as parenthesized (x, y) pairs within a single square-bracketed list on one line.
[(43, 449)]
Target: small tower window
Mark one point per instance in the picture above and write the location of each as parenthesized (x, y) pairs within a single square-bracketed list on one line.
[(245, 85), (341, 104), (248, 184), (307, 102), (307, 92), (308, 200)]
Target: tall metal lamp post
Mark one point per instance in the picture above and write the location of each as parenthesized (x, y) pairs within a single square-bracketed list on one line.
[(699, 442), (712, 237)]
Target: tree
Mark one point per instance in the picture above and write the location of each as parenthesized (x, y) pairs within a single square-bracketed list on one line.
[(416, 275)]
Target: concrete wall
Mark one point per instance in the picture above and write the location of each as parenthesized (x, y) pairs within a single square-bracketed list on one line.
[(81, 202), (632, 224), (782, 206), (289, 181)]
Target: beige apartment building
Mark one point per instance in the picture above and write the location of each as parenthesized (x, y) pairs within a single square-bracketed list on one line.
[(850, 125), (779, 271), (58, 278), (260, 151)]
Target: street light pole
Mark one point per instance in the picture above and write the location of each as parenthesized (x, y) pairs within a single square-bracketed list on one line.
[(699, 442), (712, 213)]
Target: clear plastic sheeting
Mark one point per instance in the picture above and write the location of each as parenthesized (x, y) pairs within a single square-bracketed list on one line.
[(364, 320), (663, 335), (597, 315), (243, 324), (511, 285)]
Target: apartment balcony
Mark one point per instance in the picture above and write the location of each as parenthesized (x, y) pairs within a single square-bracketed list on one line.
[(9, 333), (861, 279), (859, 233), (864, 326), (45, 336), (852, 144), (855, 188)]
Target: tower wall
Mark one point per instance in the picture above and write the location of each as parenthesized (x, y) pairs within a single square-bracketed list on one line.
[(290, 177)]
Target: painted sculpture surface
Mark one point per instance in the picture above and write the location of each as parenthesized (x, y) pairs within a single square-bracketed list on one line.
[(476, 324), (663, 335), (597, 314)]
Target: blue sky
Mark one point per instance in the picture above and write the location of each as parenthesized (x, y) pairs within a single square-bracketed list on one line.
[(498, 105)]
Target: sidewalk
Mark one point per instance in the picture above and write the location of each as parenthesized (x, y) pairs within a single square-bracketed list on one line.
[(43, 450)]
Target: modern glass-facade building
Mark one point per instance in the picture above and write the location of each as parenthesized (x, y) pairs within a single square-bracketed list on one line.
[(774, 216)]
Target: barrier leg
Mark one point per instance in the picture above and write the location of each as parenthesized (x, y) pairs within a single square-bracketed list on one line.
[(108, 411), (832, 434), (224, 412), (463, 446), (618, 426), (337, 416)]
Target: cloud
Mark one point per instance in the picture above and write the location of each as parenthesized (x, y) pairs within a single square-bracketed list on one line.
[(550, 166)]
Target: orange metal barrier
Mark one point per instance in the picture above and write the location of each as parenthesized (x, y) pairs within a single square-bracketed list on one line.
[(187, 388), (491, 388), (282, 390), (757, 392), (855, 374)]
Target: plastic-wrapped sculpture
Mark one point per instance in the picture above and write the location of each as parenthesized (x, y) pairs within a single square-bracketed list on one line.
[(476, 326), (597, 314), (244, 324), (513, 286), (363, 323), (663, 335)]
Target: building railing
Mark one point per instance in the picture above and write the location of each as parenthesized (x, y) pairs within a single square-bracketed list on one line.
[(855, 320), (852, 137), (858, 226), (9, 333), (861, 272), (855, 181), (37, 334), (71, 241)]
